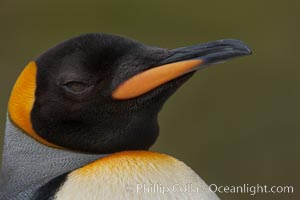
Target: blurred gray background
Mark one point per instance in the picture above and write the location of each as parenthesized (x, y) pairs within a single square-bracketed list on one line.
[(235, 123)]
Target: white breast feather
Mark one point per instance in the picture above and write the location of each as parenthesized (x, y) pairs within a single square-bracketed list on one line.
[(133, 176)]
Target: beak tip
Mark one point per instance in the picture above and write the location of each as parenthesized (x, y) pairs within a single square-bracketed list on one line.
[(245, 47), (249, 51)]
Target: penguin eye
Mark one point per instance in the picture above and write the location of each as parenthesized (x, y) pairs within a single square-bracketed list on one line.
[(76, 86)]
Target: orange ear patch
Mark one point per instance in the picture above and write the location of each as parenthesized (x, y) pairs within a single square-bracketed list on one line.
[(22, 100), (152, 78)]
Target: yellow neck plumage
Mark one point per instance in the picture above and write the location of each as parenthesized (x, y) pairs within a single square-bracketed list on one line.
[(22, 100)]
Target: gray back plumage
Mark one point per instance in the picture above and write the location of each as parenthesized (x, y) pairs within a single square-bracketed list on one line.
[(28, 164)]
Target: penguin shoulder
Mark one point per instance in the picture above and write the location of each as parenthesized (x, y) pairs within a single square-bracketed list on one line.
[(134, 175)]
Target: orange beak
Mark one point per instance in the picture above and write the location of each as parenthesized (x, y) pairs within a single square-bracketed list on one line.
[(182, 61)]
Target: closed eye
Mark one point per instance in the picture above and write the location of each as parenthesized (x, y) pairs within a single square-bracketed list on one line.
[(76, 87)]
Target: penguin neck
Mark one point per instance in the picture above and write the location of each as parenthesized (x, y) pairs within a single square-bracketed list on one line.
[(28, 164)]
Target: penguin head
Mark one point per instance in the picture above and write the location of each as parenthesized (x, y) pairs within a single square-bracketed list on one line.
[(101, 93)]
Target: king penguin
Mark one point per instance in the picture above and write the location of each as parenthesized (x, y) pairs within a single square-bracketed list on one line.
[(82, 116)]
